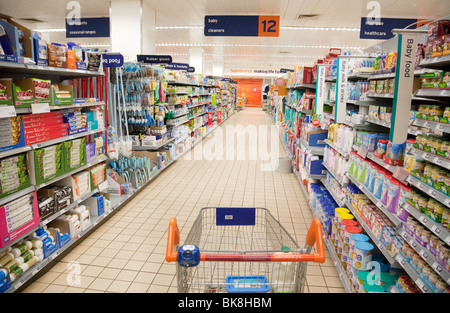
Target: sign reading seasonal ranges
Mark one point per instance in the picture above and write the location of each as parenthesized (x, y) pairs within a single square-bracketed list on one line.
[(87, 27)]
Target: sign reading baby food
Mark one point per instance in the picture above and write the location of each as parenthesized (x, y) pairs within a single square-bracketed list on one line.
[(242, 25), (401, 106)]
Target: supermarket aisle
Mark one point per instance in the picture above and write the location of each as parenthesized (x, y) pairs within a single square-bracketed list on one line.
[(126, 254)]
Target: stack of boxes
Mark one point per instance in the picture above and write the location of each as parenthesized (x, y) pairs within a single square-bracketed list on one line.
[(77, 122), (44, 127), (438, 41), (14, 174)]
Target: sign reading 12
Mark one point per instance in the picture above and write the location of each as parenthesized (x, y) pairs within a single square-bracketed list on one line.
[(269, 26)]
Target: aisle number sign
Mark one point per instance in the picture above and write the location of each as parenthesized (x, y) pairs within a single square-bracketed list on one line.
[(242, 25)]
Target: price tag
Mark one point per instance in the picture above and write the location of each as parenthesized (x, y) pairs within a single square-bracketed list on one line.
[(37, 108), (427, 124), (103, 186), (7, 111), (440, 127), (436, 267), (423, 219), (427, 156), (423, 254), (445, 93), (362, 152)]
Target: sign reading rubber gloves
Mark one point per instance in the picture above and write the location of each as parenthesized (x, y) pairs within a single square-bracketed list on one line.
[(242, 25)]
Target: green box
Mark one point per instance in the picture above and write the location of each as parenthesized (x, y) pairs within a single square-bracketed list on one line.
[(71, 153), (6, 90), (21, 170), (34, 90), (45, 168), (64, 96)]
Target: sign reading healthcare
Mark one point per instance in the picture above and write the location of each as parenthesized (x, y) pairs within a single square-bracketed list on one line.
[(381, 28), (88, 27), (157, 59), (242, 25)]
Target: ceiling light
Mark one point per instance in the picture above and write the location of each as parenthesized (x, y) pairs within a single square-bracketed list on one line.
[(50, 30), (255, 45), (281, 27)]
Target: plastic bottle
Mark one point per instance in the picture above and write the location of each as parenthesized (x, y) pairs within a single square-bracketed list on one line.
[(283, 275)]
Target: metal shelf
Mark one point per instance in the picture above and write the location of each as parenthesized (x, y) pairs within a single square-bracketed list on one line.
[(340, 203), (430, 157), (443, 127), (332, 145), (426, 255), (8, 69), (435, 228), (412, 273), (145, 148), (436, 62), (314, 149), (303, 86), (62, 139), (432, 192), (339, 180), (342, 273), (433, 93)]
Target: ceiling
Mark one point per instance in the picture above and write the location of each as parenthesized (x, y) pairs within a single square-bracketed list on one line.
[(292, 47)]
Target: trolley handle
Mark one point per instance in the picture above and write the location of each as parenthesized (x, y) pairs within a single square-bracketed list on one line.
[(173, 240), (314, 236)]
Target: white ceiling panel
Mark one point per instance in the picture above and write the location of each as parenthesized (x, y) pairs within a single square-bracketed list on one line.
[(263, 52)]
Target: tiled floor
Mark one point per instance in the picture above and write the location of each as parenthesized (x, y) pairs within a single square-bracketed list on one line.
[(126, 254)]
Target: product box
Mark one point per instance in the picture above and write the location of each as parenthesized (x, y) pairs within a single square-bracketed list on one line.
[(71, 59), (33, 137), (74, 152), (30, 90), (16, 218), (316, 137), (57, 55), (46, 164), (64, 230), (14, 174), (95, 204), (116, 184), (50, 249), (12, 133), (62, 94), (6, 95), (97, 175), (39, 49), (79, 182)]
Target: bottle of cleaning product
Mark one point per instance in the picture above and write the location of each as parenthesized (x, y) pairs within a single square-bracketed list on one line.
[(283, 280)]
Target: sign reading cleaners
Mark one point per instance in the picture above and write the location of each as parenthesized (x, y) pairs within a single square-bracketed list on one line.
[(242, 25), (88, 27)]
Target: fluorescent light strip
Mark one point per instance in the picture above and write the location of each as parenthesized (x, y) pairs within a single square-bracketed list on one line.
[(345, 29), (50, 30), (249, 45)]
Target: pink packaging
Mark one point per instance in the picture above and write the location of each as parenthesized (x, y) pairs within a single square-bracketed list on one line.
[(8, 232)]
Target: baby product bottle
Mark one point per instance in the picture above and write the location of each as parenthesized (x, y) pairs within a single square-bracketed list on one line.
[(283, 275)]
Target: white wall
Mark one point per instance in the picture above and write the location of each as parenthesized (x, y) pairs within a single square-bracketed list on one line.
[(148, 29), (126, 28)]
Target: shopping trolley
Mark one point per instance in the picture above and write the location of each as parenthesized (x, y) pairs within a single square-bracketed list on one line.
[(241, 250)]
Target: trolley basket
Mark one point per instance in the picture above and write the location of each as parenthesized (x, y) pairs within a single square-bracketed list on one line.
[(242, 250)]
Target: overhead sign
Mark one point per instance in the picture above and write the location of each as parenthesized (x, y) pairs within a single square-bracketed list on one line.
[(88, 27), (159, 59), (112, 60), (242, 25), (191, 69), (177, 66), (286, 70), (381, 28)]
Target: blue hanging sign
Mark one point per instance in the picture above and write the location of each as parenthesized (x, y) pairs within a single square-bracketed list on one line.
[(382, 28), (158, 59), (242, 25), (88, 27), (177, 66), (112, 60), (285, 70), (191, 69)]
